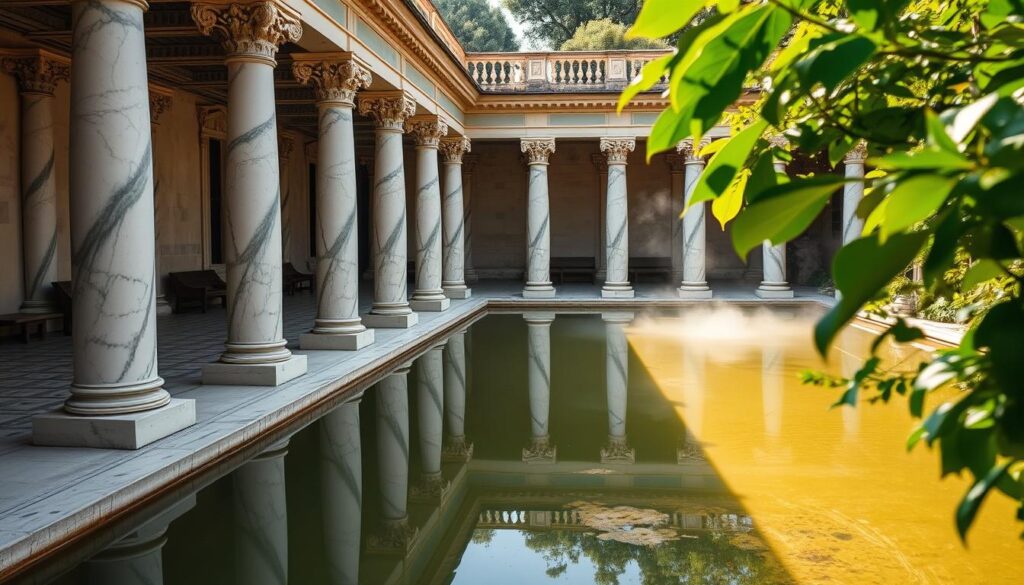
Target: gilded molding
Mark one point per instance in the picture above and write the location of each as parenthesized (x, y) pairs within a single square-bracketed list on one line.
[(334, 81), (617, 149), (36, 73), (858, 154), (252, 30), (427, 132), (685, 148), (537, 150), (389, 111), (452, 149)]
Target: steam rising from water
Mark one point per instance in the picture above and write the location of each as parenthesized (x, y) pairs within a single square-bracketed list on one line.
[(729, 324)]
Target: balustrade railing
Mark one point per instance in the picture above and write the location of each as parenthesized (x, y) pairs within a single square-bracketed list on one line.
[(564, 71), (504, 519)]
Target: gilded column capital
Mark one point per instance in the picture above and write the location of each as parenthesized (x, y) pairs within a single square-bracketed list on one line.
[(334, 79), (537, 150), (427, 131), (389, 111), (858, 154), (686, 149), (453, 149), (617, 149), (252, 30), (36, 71), (160, 101)]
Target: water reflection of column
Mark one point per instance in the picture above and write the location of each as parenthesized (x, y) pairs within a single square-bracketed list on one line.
[(341, 482), (772, 367), (849, 364), (430, 416), (693, 403), (617, 385), (538, 326), (456, 447), (393, 462), (261, 519)]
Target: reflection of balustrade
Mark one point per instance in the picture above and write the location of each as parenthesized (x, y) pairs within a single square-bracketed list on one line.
[(562, 519), (564, 71)]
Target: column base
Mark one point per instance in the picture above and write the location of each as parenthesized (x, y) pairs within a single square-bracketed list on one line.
[(390, 321), (539, 293), (115, 431), (458, 292), (394, 537), (275, 374), (163, 308), (471, 275), (336, 341), (430, 306), (773, 292), (694, 291), (617, 293), (431, 489)]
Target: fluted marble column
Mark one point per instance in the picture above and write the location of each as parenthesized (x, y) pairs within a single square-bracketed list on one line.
[(115, 384), (538, 219), (773, 283), (392, 392), (617, 388), (616, 284), (335, 81), (853, 192), (453, 279), (538, 372), (261, 519), (428, 296), (38, 73), (431, 487), (388, 236), (695, 284), (255, 352), (468, 164), (341, 491), (456, 446)]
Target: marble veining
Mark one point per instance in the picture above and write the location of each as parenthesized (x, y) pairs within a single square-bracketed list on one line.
[(694, 244), (261, 521), (393, 443), (389, 222), (430, 393), (342, 491)]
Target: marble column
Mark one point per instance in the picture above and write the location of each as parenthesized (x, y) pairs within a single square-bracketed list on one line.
[(341, 492), (677, 172), (538, 219), (453, 279), (468, 165), (616, 244), (117, 397), (388, 236), (538, 372), (160, 101), (431, 487), (600, 256), (335, 81), (38, 73), (428, 296), (285, 146), (694, 240), (773, 282), (617, 388), (255, 352), (853, 192), (261, 519), (694, 390), (456, 447), (392, 395)]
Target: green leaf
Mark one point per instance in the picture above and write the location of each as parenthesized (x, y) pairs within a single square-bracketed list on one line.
[(782, 212), (900, 332), (914, 199), (660, 18), (650, 74), (722, 167), (966, 118), (762, 178), (861, 269), (1000, 332), (937, 135), (726, 207), (969, 506), (982, 270), (833, 61), (922, 160)]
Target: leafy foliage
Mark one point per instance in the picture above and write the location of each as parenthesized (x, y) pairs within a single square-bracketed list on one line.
[(935, 89), (553, 23), (479, 26), (605, 35)]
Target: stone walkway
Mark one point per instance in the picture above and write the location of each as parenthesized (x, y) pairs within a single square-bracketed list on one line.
[(50, 494)]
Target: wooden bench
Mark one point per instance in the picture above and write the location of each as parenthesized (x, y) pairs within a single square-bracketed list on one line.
[(196, 286), (62, 293), (295, 280), (29, 321), (573, 266), (644, 266)]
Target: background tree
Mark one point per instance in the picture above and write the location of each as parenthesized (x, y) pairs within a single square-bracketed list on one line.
[(604, 35), (935, 89), (553, 23), (479, 26)]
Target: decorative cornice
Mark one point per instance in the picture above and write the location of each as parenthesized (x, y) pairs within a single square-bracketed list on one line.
[(426, 131), (389, 111), (858, 154), (160, 101), (453, 149), (212, 119), (617, 149), (335, 80), (36, 72), (250, 30), (685, 148), (537, 150)]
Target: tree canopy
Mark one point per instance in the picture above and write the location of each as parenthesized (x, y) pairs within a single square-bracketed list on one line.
[(553, 23), (479, 26), (934, 88), (603, 35)]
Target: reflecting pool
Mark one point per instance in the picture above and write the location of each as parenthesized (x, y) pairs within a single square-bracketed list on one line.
[(612, 448)]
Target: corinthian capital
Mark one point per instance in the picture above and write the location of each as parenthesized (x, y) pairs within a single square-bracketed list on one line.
[(686, 149), (389, 111), (251, 30), (36, 71), (537, 150), (452, 149), (426, 131), (335, 77), (857, 154), (617, 149)]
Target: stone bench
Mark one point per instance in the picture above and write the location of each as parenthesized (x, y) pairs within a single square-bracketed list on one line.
[(196, 286), (26, 322), (572, 266)]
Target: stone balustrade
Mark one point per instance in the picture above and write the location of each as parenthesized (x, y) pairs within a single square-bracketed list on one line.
[(562, 71), (505, 519)]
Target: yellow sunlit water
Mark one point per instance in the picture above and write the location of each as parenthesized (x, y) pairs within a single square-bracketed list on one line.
[(833, 491)]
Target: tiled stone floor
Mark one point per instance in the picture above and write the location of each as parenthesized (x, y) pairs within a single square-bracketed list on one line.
[(47, 493)]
